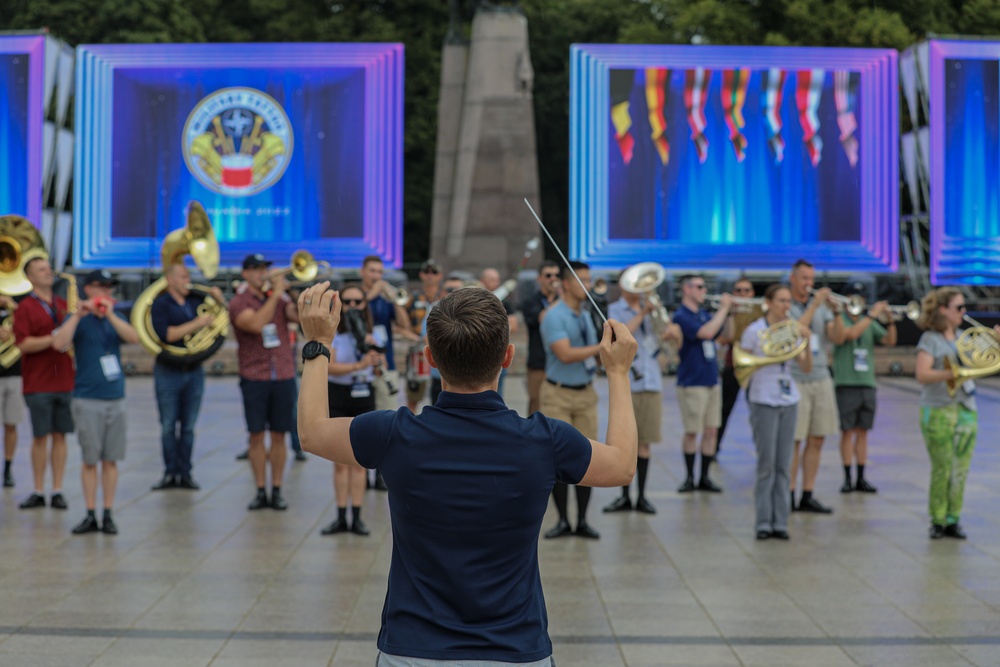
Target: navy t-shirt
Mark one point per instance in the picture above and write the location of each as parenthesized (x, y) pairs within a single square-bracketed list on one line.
[(384, 313), (94, 338), (698, 365), (469, 482)]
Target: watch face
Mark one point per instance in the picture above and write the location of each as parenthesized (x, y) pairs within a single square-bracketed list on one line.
[(312, 349)]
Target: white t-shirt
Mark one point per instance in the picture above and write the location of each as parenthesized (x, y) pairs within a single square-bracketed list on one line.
[(772, 384)]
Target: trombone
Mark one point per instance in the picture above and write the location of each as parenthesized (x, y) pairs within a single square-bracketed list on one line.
[(854, 304), (303, 267)]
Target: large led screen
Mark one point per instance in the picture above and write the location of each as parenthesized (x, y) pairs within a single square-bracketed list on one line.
[(285, 145), (22, 67), (965, 162), (734, 157)]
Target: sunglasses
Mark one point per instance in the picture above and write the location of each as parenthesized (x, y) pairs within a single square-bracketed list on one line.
[(961, 307), (698, 286), (742, 290), (550, 275), (354, 302), (431, 269)]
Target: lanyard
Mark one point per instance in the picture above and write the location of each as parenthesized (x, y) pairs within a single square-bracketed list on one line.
[(48, 308)]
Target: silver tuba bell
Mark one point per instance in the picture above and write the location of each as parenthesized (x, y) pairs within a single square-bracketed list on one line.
[(644, 278)]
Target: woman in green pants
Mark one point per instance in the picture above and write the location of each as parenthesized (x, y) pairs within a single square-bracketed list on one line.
[(948, 423)]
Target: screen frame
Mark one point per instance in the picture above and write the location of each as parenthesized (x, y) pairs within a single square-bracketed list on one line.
[(34, 47)]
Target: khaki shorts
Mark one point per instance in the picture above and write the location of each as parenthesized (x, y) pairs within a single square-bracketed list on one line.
[(648, 406), (818, 414), (417, 394), (701, 407), (384, 400), (576, 407), (11, 400)]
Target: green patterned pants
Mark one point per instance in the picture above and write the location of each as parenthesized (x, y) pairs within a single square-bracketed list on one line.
[(950, 435)]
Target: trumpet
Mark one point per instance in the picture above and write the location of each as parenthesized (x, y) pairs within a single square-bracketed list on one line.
[(854, 304), (741, 304), (910, 311), (600, 287), (399, 296)]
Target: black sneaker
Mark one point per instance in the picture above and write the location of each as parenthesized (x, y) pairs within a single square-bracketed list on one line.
[(259, 502), (277, 501), (864, 487), (8, 480), (812, 505), (109, 527), (88, 525), (936, 532), (33, 501), (187, 482), (955, 530), (58, 502), (619, 504)]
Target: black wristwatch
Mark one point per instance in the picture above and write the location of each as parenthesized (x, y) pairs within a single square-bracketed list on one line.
[(313, 349)]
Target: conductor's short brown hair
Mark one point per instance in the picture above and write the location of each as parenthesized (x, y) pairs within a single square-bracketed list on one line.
[(468, 333)]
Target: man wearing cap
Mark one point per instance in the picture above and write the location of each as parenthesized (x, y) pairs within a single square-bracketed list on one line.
[(44, 330), (179, 384), (99, 397), (420, 301), (260, 316)]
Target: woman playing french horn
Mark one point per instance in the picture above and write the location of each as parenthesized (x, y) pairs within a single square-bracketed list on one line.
[(774, 402), (948, 422)]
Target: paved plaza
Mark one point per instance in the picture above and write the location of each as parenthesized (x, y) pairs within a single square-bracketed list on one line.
[(194, 579)]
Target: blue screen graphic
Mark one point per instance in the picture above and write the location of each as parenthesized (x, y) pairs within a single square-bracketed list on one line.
[(14, 76)]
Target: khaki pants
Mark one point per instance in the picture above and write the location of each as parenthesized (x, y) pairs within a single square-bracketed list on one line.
[(576, 407)]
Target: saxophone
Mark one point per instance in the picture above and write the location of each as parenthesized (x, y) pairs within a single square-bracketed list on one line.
[(72, 300)]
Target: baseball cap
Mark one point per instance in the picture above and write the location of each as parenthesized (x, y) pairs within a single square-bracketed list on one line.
[(254, 261), (430, 266), (100, 276), (851, 289)]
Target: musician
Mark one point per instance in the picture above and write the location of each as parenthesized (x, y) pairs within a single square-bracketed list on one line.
[(99, 397), (267, 372), (469, 481), (698, 391), (817, 414), (430, 292), (451, 284), (948, 423), (532, 306), (731, 334), (43, 331), (385, 313), (490, 278), (11, 403), (854, 380), (179, 384), (568, 393), (351, 372), (647, 390), (774, 396)]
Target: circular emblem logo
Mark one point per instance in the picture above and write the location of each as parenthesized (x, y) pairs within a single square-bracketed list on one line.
[(237, 142)]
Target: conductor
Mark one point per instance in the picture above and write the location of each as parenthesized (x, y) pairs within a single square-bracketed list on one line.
[(469, 481)]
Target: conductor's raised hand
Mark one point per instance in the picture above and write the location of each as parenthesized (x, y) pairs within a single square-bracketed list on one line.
[(319, 312), (617, 347)]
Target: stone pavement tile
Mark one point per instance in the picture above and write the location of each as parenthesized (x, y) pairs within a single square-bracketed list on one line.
[(577, 654), (49, 645), (306, 651), (792, 656), (669, 655), (660, 620), (354, 654), (866, 621), (908, 656), (44, 660), (165, 645), (977, 654)]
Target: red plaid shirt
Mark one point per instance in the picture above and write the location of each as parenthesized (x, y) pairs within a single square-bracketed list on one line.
[(257, 362)]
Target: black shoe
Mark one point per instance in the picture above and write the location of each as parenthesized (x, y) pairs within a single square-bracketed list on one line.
[(278, 501), (300, 455), (846, 487), (168, 482), (8, 480), (584, 530), (243, 456), (259, 501), (619, 504), (779, 534), (763, 534), (109, 527), (33, 501), (88, 525), (561, 529), (955, 530), (936, 532), (359, 527), (380, 483), (185, 482), (688, 486), (644, 506), (337, 526), (708, 485), (58, 502), (864, 487), (814, 506)]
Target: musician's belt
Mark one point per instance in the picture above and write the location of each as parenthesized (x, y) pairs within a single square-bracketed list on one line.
[(576, 387)]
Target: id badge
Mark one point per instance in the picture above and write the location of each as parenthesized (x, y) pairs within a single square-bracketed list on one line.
[(590, 364), (360, 388), (814, 344), (708, 349), (785, 386), (861, 360), (269, 336), (112, 369), (969, 387)]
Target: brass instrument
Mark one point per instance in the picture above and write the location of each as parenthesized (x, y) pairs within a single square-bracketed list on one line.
[(20, 242), (910, 311), (509, 285), (198, 240), (854, 304), (400, 296), (741, 304), (600, 287), (978, 350), (780, 342), (303, 267), (9, 351), (644, 278)]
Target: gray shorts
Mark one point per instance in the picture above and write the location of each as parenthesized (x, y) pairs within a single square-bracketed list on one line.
[(101, 429), (857, 407), (50, 413), (11, 401)]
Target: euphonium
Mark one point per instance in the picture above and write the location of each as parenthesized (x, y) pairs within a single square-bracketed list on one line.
[(780, 342), (198, 240), (644, 278), (978, 350)]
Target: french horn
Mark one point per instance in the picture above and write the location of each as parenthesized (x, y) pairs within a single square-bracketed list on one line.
[(197, 239), (979, 351), (780, 342)]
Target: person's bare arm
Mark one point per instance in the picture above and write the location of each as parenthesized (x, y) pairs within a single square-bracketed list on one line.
[(122, 328), (926, 373), (568, 354)]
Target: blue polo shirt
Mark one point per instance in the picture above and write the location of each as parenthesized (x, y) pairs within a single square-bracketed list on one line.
[(384, 313), (165, 313), (562, 322), (93, 339), (469, 482), (696, 368)]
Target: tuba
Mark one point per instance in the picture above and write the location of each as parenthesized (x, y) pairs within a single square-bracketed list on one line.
[(780, 342), (198, 240), (20, 242), (978, 350)]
